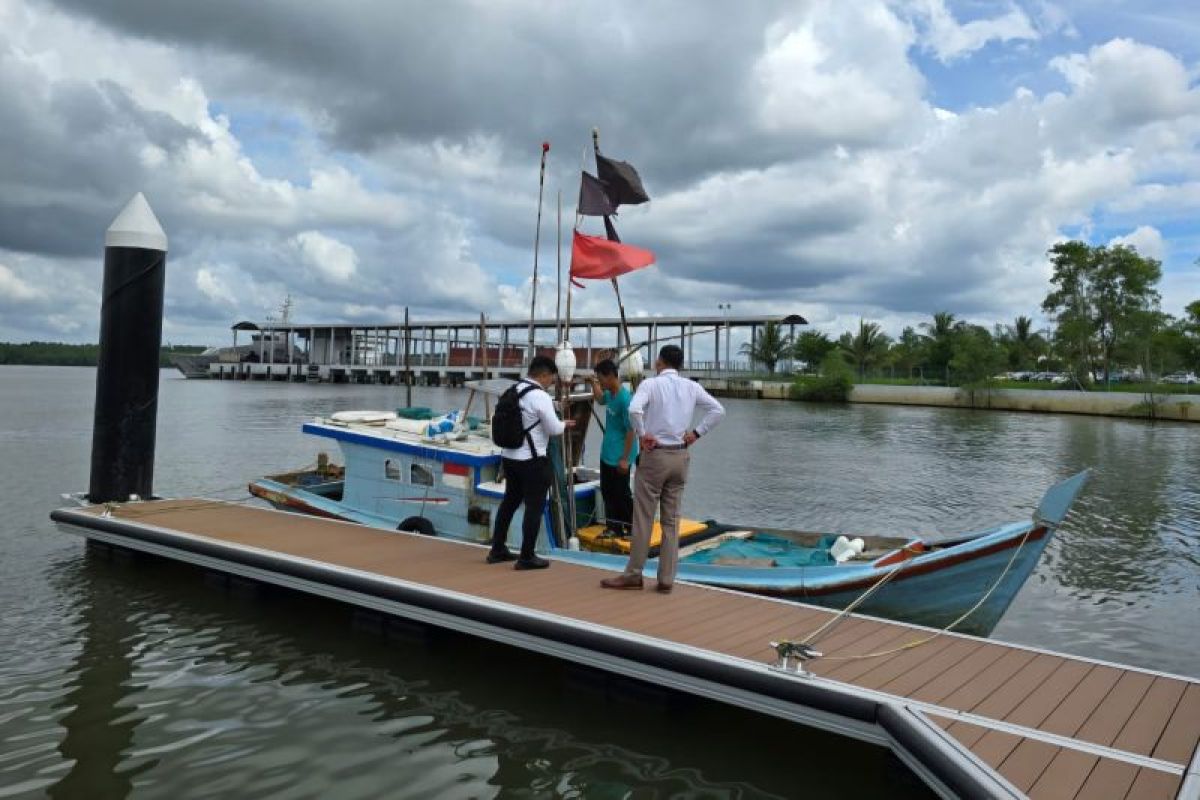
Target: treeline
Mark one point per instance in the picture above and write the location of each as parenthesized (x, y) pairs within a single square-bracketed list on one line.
[(58, 354), (1107, 325)]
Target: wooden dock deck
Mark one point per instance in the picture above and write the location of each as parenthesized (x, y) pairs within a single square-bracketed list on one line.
[(973, 717)]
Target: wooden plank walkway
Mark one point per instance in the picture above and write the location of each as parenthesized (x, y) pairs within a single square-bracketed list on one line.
[(1049, 725)]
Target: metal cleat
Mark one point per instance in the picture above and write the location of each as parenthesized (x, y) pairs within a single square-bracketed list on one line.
[(800, 652)]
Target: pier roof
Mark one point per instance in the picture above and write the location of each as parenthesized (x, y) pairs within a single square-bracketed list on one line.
[(739, 320)]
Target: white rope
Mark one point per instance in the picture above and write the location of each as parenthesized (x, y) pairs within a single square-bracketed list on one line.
[(952, 625)]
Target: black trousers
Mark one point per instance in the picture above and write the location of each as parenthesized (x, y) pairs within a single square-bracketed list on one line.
[(618, 499), (527, 483)]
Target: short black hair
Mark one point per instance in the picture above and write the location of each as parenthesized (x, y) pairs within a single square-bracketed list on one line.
[(543, 365), (671, 355), (605, 367)]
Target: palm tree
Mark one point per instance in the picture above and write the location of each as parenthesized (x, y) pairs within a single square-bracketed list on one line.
[(941, 334), (1018, 339), (769, 347), (909, 350), (867, 347), (811, 347)]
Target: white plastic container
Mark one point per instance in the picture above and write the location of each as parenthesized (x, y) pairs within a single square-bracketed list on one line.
[(844, 549)]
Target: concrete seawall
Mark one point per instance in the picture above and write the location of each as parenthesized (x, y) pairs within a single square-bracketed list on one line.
[(1185, 408)]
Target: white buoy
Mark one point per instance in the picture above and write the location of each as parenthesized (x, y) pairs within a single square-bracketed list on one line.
[(573, 543), (564, 359)]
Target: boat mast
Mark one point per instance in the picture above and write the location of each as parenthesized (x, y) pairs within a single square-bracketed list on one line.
[(537, 239), (624, 332)]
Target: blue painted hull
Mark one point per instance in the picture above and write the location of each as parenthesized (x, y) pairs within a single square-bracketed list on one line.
[(933, 584), (934, 588)]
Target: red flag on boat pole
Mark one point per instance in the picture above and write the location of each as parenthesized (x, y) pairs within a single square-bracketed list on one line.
[(597, 258)]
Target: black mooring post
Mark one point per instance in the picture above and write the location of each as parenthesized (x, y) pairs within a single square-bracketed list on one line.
[(135, 257)]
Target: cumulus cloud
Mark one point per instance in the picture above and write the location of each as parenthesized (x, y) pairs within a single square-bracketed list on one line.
[(325, 256), (14, 289), (363, 163), (214, 287), (1146, 239), (949, 39)]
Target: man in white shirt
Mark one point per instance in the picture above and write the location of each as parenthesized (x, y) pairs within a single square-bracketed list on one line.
[(527, 476), (661, 414)]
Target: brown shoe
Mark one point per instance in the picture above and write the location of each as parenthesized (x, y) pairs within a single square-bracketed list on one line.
[(623, 582), (664, 588)]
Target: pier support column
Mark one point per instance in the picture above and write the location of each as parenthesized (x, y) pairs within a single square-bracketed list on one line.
[(123, 431)]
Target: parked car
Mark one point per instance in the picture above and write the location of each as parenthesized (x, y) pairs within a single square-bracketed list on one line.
[(1181, 377)]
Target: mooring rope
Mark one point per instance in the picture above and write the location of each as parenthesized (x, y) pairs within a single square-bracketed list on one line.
[(916, 643)]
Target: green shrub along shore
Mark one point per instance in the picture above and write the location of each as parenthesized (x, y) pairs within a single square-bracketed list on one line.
[(58, 354)]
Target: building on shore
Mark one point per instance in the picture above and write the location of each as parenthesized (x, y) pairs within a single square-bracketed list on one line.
[(452, 351)]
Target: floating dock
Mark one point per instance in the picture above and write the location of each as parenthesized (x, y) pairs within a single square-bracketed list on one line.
[(972, 717)]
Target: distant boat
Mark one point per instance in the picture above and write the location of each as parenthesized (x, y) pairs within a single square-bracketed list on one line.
[(400, 475), (195, 365), (271, 346)]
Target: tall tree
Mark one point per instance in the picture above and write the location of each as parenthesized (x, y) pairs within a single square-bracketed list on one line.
[(1023, 344), (867, 347), (939, 336), (1099, 292), (770, 346), (1191, 332), (977, 356), (909, 350), (811, 347)]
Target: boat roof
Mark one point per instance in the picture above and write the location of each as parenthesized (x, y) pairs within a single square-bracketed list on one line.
[(473, 450)]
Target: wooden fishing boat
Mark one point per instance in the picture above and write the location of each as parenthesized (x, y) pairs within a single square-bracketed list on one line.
[(445, 480)]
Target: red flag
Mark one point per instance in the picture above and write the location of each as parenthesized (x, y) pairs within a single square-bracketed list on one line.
[(597, 258)]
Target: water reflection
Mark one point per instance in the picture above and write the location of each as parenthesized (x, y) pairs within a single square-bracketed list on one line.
[(184, 683), (100, 718)]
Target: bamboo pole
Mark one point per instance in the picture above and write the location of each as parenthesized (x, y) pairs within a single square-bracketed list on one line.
[(537, 240), (558, 279), (487, 403), (407, 369), (616, 288)]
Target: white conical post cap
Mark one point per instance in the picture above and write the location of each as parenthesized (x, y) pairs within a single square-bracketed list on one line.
[(136, 226), (564, 359)]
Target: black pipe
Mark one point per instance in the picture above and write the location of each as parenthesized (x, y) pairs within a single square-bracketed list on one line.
[(123, 431)]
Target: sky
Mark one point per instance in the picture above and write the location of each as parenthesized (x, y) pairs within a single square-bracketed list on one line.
[(837, 159)]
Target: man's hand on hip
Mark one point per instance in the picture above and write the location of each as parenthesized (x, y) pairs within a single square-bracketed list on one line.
[(690, 438), (649, 442)]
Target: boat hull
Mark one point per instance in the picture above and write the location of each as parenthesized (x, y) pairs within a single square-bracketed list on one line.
[(932, 588)]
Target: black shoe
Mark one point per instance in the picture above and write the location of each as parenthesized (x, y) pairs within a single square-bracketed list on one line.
[(504, 555), (531, 563)]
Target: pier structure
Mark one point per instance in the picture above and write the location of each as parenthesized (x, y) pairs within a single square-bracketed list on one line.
[(453, 351), (972, 717)]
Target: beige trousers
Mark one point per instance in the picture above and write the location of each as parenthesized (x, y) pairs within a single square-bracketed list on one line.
[(658, 486)]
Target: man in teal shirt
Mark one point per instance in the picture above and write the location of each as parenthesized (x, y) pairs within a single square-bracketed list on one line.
[(619, 448)]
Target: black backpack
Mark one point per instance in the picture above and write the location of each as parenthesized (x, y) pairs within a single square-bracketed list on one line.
[(508, 428)]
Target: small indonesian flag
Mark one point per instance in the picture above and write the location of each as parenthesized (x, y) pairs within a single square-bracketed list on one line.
[(455, 475)]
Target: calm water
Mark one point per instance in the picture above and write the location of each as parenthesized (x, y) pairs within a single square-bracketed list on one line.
[(140, 679)]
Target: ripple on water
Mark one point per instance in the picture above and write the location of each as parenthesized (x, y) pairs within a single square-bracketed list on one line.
[(136, 679)]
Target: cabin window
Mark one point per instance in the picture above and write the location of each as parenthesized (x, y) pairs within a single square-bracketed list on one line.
[(420, 475), (391, 470)]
